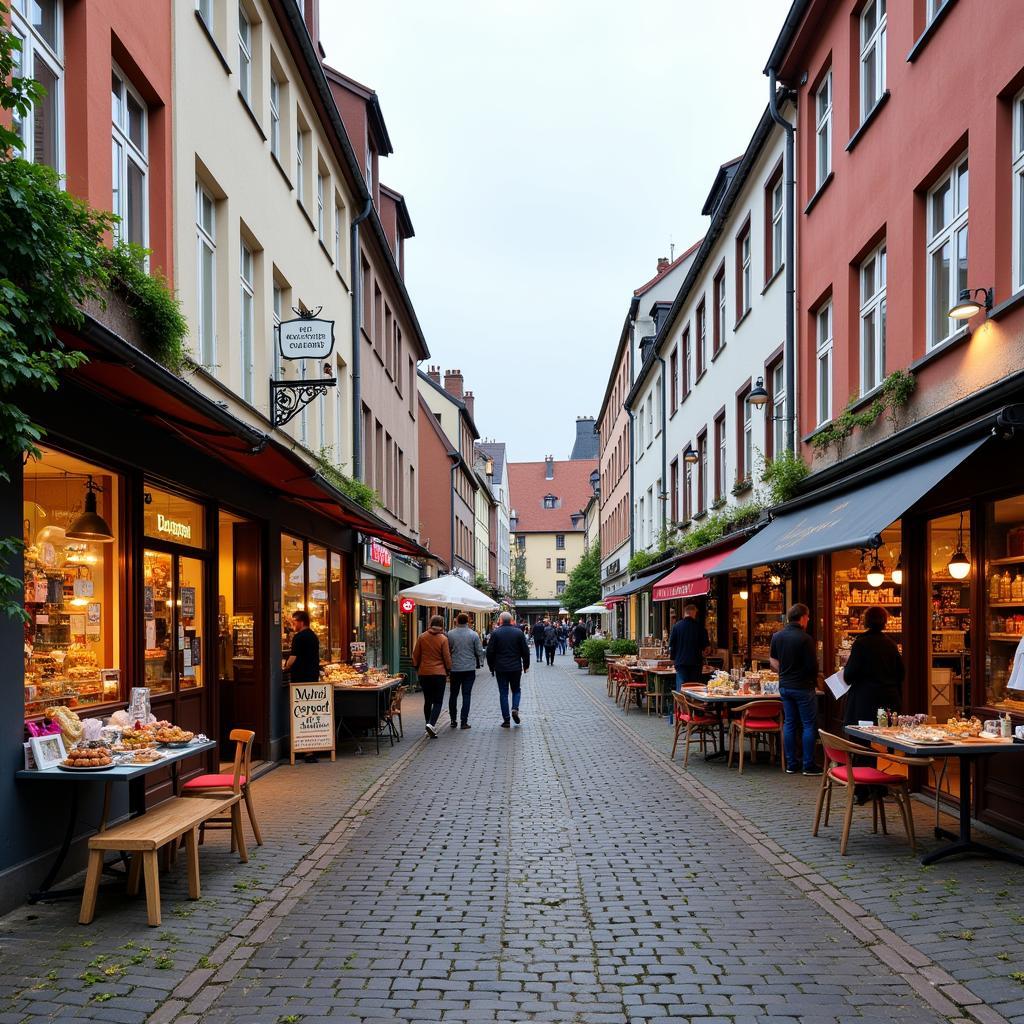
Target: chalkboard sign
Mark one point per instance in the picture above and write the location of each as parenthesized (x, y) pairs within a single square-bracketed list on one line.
[(312, 718)]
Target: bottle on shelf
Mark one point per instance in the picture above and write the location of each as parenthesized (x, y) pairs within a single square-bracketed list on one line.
[(1005, 586), (1017, 588), (995, 587)]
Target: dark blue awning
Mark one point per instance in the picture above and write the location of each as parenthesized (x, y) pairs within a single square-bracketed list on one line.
[(853, 518)]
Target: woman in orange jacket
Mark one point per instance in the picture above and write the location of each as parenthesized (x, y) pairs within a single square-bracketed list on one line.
[(432, 659)]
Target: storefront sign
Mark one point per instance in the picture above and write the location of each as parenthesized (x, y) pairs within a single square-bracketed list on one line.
[(306, 338), (406, 605), (376, 552), (172, 527), (312, 718)]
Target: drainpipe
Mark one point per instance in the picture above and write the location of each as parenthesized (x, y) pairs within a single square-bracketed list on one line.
[(357, 346), (789, 185), (632, 517)]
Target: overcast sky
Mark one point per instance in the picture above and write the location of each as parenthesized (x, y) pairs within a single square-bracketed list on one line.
[(549, 151)]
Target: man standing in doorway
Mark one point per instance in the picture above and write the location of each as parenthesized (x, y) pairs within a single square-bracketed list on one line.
[(303, 662), (794, 657), (687, 644), (508, 657)]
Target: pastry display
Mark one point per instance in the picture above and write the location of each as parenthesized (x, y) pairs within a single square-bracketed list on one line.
[(148, 755), (71, 727), (963, 726), (89, 756), (339, 672), (172, 734), (135, 739)]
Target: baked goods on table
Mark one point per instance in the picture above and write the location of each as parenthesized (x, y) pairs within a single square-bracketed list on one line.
[(136, 739), (148, 755), (963, 726), (71, 727), (339, 672), (89, 756), (172, 734)]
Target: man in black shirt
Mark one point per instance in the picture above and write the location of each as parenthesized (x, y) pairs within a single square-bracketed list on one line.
[(794, 657), (687, 644), (304, 660)]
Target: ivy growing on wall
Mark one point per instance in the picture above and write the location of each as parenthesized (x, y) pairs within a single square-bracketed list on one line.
[(893, 395)]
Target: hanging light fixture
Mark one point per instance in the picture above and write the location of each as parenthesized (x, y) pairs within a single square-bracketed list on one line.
[(897, 573), (90, 525), (959, 564), (743, 594), (690, 456), (876, 572)]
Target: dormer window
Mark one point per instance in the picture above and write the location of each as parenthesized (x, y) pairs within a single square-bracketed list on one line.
[(550, 501), (369, 169)]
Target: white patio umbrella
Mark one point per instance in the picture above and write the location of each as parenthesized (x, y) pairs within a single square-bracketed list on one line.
[(593, 609), (449, 592)]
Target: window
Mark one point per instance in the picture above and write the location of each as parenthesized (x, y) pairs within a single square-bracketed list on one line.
[(823, 320), (550, 501), (205, 9), (521, 542), (319, 205), (823, 128), (206, 273), (300, 183), (246, 325), (39, 26), (130, 161), (244, 55), (947, 250), (687, 491), (650, 515), (721, 451), (559, 541), (773, 228), (279, 306), (686, 361), (872, 320), (650, 421), (659, 405), (640, 433), (673, 361), (745, 449), (369, 169), (1018, 192), (275, 117), (702, 338), (719, 327), (872, 55), (673, 490), (337, 234), (559, 586), (702, 471), (547, 563), (934, 6), (642, 522), (559, 565), (777, 439), (743, 272)]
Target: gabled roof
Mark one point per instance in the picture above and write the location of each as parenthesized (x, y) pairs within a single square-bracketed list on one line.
[(720, 184), (665, 271), (496, 451), (463, 408), (404, 220), (528, 484), (374, 116)]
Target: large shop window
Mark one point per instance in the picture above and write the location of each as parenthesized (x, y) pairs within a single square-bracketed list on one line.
[(73, 585), (312, 578), (1004, 583), (949, 683), (372, 603)]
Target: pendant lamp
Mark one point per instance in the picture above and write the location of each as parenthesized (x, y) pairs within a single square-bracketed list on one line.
[(90, 525), (960, 564)]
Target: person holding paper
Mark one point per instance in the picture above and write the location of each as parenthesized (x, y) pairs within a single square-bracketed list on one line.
[(874, 671)]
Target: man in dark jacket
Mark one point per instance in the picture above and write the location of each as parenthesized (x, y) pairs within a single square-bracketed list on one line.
[(795, 658), (579, 634), (687, 644), (537, 635), (550, 642), (508, 657)]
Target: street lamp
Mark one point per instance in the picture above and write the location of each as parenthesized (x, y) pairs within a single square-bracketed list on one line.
[(967, 304), (758, 396), (690, 456)]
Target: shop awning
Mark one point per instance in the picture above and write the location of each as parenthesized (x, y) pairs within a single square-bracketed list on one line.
[(691, 578), (854, 518), (631, 588)]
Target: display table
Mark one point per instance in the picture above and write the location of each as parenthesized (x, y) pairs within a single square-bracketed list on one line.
[(968, 752), (364, 707), (132, 775)]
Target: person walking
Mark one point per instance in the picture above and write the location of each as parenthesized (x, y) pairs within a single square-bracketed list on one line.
[(537, 635), (467, 656), (432, 659), (874, 671), (508, 657), (687, 644), (303, 661), (579, 634), (794, 657), (550, 642)]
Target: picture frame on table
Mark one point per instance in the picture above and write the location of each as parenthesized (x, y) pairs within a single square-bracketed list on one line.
[(48, 750)]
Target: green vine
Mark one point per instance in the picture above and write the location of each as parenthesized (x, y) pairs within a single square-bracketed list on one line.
[(783, 476), (362, 494), (893, 395)]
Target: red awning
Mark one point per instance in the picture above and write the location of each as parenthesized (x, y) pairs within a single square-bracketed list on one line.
[(689, 579), (128, 378)]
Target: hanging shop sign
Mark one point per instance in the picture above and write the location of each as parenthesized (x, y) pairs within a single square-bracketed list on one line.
[(306, 338), (406, 605), (376, 552), (312, 718)]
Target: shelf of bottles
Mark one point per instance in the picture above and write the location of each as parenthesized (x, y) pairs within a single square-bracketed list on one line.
[(1004, 590), (852, 596)]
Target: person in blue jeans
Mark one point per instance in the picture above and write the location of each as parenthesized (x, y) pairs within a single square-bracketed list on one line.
[(794, 657), (508, 657), (688, 643)]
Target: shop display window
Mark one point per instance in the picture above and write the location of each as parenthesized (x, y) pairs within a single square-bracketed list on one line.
[(293, 584), (949, 682), (316, 594), (1004, 592), (172, 518), (767, 613), (337, 598), (172, 602), (312, 578), (237, 577), (373, 618), (73, 586), (739, 617)]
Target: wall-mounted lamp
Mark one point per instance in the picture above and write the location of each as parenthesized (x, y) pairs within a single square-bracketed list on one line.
[(968, 305), (758, 396), (690, 456)]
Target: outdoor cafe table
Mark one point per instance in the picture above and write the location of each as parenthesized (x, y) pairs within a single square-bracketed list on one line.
[(364, 707), (721, 704), (968, 752), (132, 775)]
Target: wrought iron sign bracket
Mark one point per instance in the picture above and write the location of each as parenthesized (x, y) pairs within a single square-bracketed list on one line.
[(288, 398)]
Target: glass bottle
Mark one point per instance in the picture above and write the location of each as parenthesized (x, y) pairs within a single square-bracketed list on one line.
[(1005, 586), (994, 587), (1017, 588)]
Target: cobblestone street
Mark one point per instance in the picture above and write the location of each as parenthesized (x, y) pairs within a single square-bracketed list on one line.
[(562, 871)]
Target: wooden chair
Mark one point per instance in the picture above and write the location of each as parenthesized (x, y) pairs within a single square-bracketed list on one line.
[(692, 717), (634, 687), (757, 719), (394, 712), (622, 679), (611, 675), (238, 782), (656, 693), (839, 770), (143, 836)]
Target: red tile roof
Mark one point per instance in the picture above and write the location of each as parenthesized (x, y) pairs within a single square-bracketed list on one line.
[(528, 486), (668, 270)]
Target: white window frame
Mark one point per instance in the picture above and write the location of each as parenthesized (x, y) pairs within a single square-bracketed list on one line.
[(748, 441), (244, 55), (778, 424), (659, 407), (722, 429), (649, 404), (206, 238), (934, 7), (300, 164), (246, 321), (777, 237), (952, 233), (369, 169), (275, 116), (872, 46), (702, 474), (823, 349), (124, 150), (872, 320), (205, 9), (745, 279), (1018, 191), (319, 205), (823, 129), (337, 234), (721, 311), (35, 48), (702, 341), (277, 309)]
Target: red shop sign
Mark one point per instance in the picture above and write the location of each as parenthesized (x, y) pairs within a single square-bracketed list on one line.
[(406, 605), (380, 554)]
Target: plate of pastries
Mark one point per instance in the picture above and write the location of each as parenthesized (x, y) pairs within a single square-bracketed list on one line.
[(173, 736), (88, 757)]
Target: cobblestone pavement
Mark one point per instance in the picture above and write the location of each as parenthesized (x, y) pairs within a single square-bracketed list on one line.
[(562, 871)]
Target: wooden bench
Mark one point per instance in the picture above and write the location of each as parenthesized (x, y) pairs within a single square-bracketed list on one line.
[(142, 837)]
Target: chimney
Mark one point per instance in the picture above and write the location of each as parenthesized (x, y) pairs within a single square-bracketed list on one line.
[(663, 264), (434, 373), (549, 467), (468, 399), (311, 14), (453, 383)]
